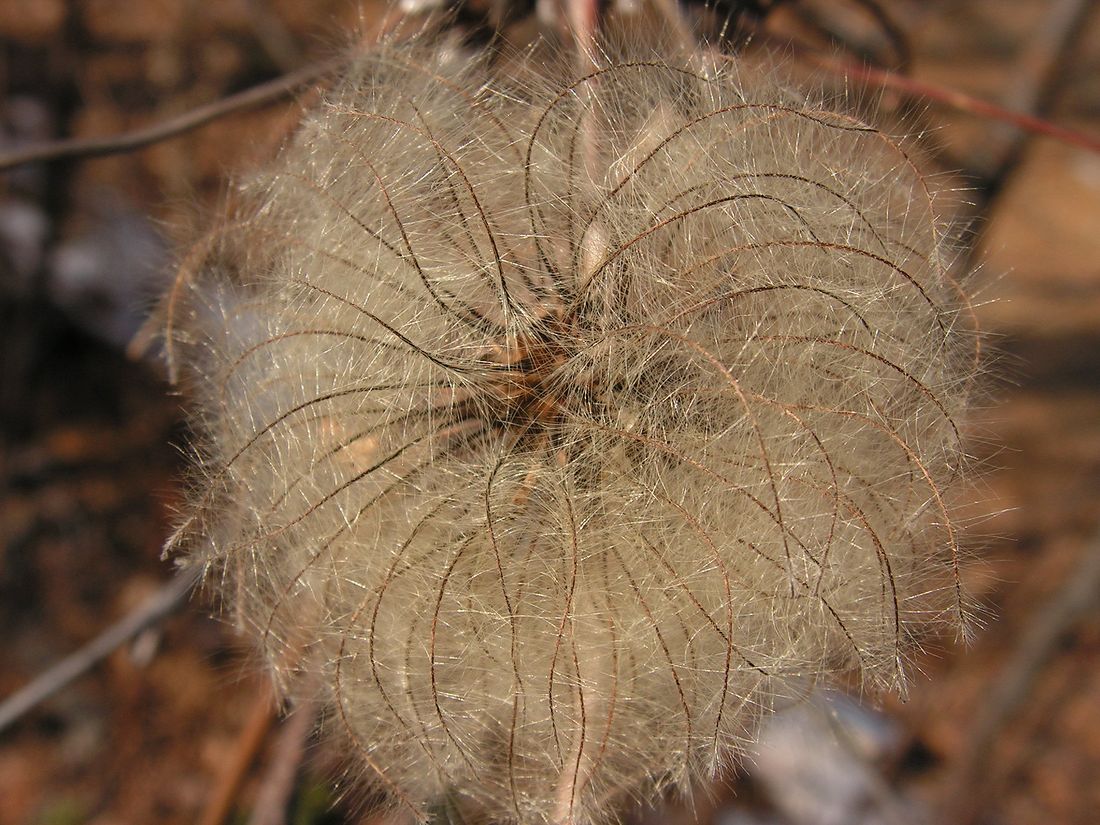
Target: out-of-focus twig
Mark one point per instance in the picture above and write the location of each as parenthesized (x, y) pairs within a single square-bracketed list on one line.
[(955, 99), (1022, 114), (273, 35), (116, 144), (277, 785), (220, 803), (898, 37), (1023, 109), (160, 605), (1042, 60), (895, 34), (1078, 597), (1034, 87)]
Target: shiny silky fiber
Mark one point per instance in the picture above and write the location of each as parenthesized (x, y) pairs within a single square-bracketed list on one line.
[(554, 424)]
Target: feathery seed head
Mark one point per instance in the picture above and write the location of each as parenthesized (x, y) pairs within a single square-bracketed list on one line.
[(555, 425)]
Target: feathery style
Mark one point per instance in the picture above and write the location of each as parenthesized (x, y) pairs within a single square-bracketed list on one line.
[(553, 426)]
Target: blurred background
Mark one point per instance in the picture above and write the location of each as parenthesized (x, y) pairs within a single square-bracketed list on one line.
[(174, 727)]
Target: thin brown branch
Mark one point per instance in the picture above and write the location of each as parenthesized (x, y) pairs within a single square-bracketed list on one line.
[(1076, 599), (277, 785), (887, 27), (160, 605), (955, 99), (1043, 59), (1033, 88), (252, 736), (899, 39), (274, 36), (116, 144)]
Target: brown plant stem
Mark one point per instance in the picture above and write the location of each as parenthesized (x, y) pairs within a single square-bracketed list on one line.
[(162, 604), (285, 85), (172, 127), (252, 736), (953, 98), (277, 785), (1077, 598), (894, 34), (1034, 89)]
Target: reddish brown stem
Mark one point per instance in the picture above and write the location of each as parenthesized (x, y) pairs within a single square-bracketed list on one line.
[(220, 803), (957, 100)]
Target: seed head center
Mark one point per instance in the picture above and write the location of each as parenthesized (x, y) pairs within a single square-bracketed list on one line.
[(530, 394)]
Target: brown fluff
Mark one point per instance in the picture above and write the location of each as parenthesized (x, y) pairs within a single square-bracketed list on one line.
[(557, 425)]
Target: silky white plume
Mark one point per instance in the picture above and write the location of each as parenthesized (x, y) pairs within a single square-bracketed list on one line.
[(553, 426)]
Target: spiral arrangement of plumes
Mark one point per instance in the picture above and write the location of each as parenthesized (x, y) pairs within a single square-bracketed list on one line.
[(554, 425)]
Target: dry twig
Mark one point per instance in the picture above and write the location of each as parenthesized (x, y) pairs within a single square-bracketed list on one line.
[(161, 605), (252, 736), (894, 34), (1077, 598), (956, 100), (172, 127), (1037, 81), (285, 85), (277, 785)]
